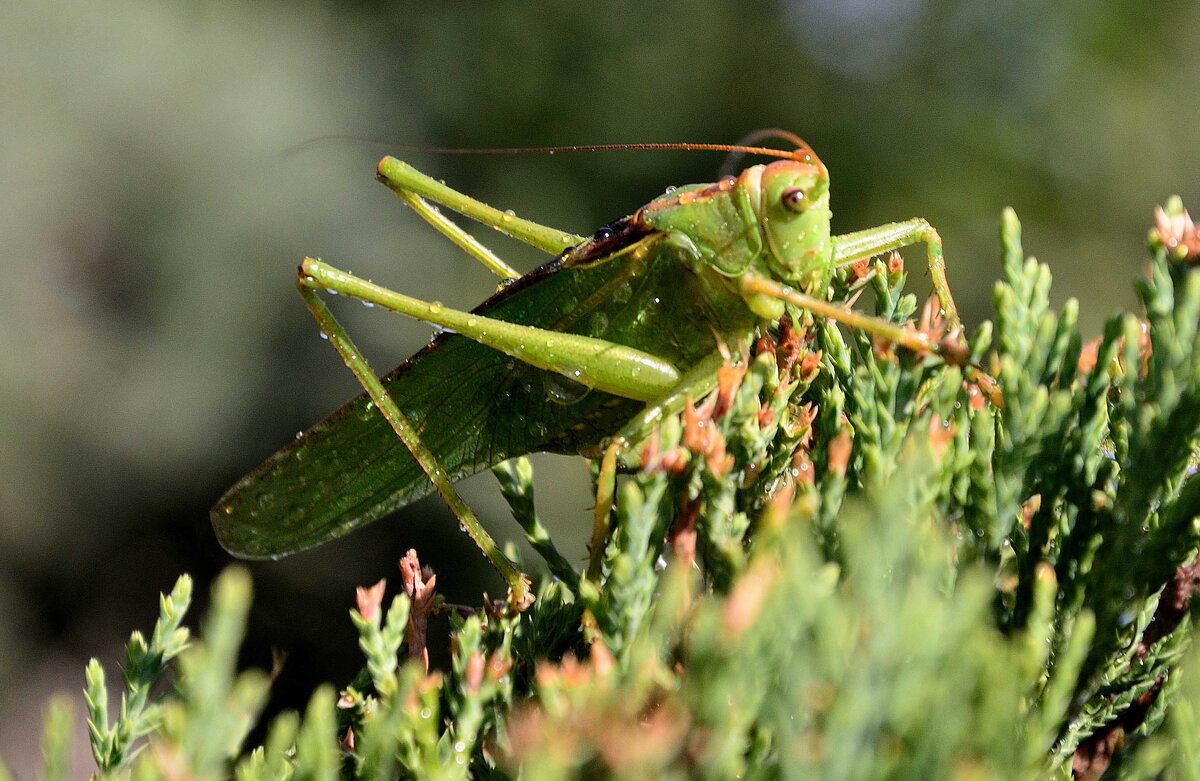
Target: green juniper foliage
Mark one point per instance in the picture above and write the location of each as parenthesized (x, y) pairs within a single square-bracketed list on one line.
[(847, 562)]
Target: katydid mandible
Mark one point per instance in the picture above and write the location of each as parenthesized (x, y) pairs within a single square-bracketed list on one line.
[(594, 346)]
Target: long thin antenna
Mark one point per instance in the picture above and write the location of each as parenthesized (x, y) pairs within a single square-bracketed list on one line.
[(802, 150), (550, 150)]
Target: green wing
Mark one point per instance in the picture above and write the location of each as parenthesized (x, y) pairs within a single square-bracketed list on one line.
[(474, 407)]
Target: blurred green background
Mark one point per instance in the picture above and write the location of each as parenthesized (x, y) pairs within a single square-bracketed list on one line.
[(153, 348)]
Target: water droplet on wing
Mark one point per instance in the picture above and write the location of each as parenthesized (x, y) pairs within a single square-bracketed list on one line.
[(563, 390)]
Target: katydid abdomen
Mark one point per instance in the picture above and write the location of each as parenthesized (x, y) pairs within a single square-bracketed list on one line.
[(474, 407)]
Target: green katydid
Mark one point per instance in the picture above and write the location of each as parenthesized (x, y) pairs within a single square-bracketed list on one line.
[(590, 348)]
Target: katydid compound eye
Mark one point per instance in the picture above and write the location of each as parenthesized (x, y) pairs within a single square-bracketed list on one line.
[(602, 235), (793, 199)]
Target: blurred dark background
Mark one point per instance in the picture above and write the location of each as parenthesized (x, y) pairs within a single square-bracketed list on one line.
[(153, 348)]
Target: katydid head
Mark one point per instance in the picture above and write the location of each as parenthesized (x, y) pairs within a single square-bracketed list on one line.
[(772, 220), (795, 215), (793, 209)]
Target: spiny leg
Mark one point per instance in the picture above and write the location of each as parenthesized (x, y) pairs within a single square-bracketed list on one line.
[(596, 363), (951, 350), (606, 489), (414, 186), (518, 584), (851, 247), (694, 384)]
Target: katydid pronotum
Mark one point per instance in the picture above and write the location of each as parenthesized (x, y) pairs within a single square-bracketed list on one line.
[(585, 352)]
